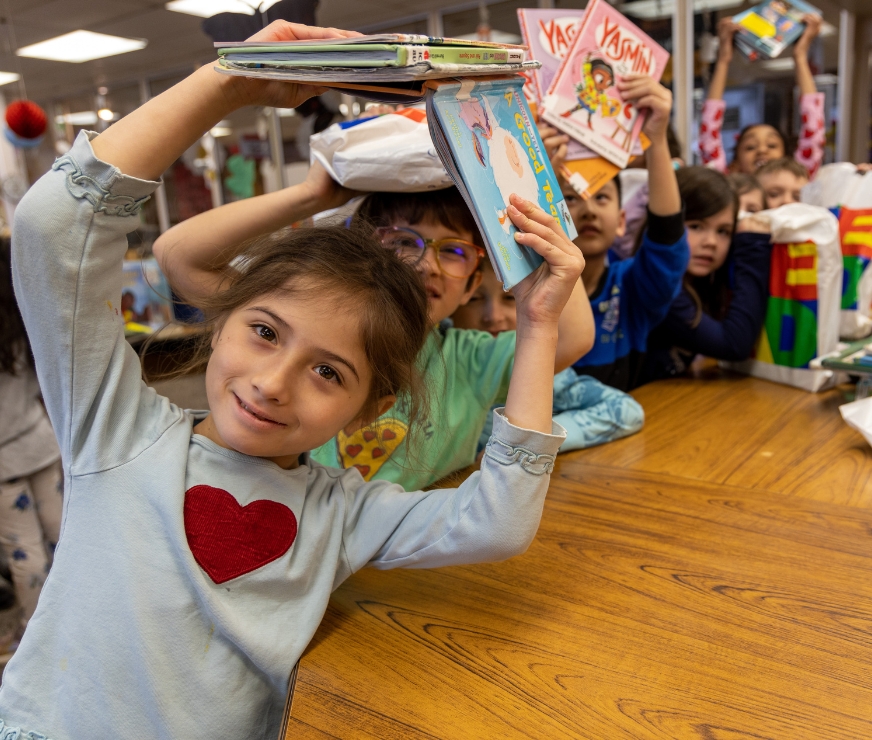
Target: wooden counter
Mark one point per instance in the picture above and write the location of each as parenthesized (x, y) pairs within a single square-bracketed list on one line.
[(709, 579)]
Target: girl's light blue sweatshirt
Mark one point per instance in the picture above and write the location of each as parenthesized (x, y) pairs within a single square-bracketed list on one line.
[(171, 612)]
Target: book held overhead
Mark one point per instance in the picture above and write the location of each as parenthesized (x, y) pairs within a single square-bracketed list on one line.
[(583, 100), (769, 28), (479, 120)]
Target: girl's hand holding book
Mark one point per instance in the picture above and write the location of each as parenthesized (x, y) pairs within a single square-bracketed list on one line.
[(540, 299), (726, 31), (277, 93), (813, 24), (146, 142), (541, 296)]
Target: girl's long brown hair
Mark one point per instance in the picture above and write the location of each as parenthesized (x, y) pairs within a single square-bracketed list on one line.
[(350, 271), (705, 192)]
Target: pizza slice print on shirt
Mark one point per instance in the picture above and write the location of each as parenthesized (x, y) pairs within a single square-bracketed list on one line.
[(368, 448)]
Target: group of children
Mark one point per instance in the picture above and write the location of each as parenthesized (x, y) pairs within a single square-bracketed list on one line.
[(347, 370)]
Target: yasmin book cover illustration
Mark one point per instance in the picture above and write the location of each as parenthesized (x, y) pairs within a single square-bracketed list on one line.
[(583, 99), (495, 150), (548, 34)]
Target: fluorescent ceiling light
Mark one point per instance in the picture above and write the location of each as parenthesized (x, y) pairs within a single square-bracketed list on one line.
[(208, 8), (286, 112), (82, 118), (653, 9), (7, 77), (81, 46), (219, 131), (104, 114)]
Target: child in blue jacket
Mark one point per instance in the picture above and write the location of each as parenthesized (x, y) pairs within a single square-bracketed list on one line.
[(629, 298)]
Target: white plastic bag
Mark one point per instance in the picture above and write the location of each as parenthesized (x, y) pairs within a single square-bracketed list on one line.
[(858, 415), (805, 285), (848, 194), (392, 153)]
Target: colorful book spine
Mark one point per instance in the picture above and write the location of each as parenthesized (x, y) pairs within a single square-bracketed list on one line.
[(583, 99)]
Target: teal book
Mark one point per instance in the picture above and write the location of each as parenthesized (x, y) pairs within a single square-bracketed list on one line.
[(488, 141)]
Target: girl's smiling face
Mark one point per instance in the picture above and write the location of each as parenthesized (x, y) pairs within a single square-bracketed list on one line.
[(759, 145), (709, 241), (287, 372)]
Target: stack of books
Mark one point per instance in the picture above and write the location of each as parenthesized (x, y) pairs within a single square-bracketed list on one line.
[(477, 114), (389, 67), (769, 28)]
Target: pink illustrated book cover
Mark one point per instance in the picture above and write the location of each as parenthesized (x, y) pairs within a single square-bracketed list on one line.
[(583, 100), (547, 34)]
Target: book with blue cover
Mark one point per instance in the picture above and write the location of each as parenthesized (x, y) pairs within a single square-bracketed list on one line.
[(769, 28), (488, 141)]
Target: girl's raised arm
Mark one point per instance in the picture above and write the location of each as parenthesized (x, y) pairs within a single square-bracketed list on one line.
[(69, 238), (812, 136), (146, 142), (712, 119), (194, 255)]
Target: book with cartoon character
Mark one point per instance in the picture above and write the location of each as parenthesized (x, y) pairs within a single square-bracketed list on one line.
[(488, 142), (769, 28), (583, 100), (548, 33)]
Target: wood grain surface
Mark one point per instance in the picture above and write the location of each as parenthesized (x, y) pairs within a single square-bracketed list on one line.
[(682, 585)]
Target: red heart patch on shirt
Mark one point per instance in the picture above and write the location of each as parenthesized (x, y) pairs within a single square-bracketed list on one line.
[(228, 540)]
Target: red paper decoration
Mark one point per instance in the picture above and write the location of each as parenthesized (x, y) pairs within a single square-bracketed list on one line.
[(26, 119)]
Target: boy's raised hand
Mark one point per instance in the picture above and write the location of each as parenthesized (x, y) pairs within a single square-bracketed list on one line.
[(541, 296), (324, 190), (664, 198), (555, 142), (645, 92)]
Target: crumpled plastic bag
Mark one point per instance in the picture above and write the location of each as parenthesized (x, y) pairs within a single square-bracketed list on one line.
[(805, 283), (848, 193), (858, 415), (392, 153)]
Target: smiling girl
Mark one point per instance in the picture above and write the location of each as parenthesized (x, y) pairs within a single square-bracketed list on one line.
[(760, 143), (198, 551), (722, 304)]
